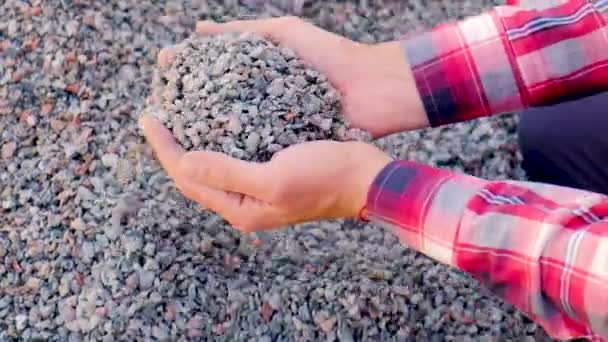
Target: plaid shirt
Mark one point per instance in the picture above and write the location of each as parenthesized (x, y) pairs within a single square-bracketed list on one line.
[(541, 247)]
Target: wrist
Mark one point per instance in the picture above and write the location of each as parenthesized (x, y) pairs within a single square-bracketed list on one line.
[(366, 163), (393, 73)]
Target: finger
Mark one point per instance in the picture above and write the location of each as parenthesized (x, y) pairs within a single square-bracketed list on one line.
[(307, 40), (167, 150), (262, 219), (281, 28), (222, 172), (218, 201), (267, 217), (166, 55), (152, 99), (264, 27), (256, 216), (245, 213)]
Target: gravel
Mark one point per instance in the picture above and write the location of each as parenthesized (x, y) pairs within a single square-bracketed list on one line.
[(97, 244), (246, 96)]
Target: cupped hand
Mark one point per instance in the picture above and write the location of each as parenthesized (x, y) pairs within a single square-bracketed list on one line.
[(305, 182), (375, 81)]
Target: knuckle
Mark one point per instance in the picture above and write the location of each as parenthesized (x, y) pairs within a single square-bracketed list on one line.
[(250, 223), (218, 210), (183, 163), (188, 191), (180, 183), (291, 19), (278, 193), (189, 168), (245, 227), (201, 172)]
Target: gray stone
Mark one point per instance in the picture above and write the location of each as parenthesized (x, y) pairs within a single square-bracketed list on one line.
[(146, 279), (21, 322), (132, 243), (275, 301), (87, 251), (417, 298), (110, 160)]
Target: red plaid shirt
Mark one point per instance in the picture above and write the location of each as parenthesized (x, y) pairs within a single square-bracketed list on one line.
[(542, 248)]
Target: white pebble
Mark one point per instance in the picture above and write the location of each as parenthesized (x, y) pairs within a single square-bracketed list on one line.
[(109, 160)]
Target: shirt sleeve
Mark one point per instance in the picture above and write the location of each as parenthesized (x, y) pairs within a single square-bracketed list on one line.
[(525, 54), (542, 248)]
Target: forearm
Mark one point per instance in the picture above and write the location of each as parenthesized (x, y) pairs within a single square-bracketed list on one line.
[(508, 59), (540, 247)]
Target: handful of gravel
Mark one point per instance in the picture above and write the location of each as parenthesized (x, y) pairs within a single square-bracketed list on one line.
[(246, 96)]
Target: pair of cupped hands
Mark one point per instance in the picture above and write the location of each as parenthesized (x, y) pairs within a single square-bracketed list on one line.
[(309, 181)]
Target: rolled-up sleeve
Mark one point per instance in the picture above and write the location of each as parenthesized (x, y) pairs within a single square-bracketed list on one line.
[(510, 58)]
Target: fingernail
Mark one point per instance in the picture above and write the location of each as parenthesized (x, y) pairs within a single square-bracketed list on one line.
[(141, 122)]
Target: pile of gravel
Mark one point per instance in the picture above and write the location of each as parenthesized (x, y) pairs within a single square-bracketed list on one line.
[(246, 96), (97, 244)]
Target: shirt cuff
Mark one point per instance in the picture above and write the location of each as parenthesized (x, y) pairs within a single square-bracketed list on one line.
[(464, 70), (399, 196)]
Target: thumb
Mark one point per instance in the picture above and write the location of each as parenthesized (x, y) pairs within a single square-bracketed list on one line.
[(222, 172)]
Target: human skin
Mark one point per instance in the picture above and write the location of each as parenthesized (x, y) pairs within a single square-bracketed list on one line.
[(309, 181)]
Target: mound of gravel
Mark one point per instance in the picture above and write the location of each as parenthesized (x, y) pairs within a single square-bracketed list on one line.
[(246, 96), (97, 244)]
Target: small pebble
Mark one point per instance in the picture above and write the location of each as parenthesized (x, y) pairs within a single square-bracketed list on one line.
[(8, 149), (20, 322), (78, 224), (110, 160)]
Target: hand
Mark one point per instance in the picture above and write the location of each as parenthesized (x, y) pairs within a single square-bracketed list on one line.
[(377, 87), (305, 182)]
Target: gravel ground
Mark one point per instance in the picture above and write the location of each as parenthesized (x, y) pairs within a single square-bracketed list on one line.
[(96, 243)]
